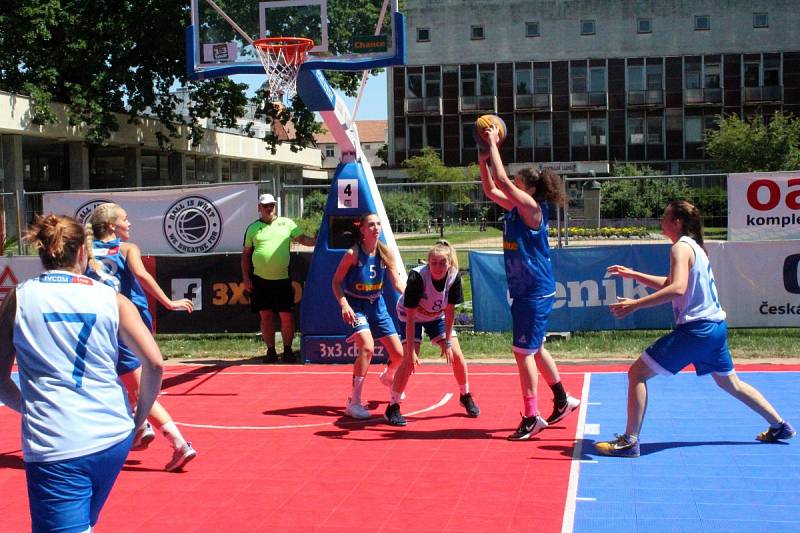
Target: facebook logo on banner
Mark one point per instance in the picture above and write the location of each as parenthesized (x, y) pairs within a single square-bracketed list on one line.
[(189, 288)]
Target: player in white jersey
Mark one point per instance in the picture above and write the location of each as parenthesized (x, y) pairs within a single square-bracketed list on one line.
[(699, 338), (429, 301), (63, 329)]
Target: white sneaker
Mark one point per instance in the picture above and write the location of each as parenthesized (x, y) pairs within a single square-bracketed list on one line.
[(559, 413), (144, 436), (180, 457), (355, 410)]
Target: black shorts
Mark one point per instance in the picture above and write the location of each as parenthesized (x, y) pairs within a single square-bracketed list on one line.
[(275, 295)]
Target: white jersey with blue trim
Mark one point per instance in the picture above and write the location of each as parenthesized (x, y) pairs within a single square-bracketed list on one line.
[(700, 301), (433, 302), (65, 336)]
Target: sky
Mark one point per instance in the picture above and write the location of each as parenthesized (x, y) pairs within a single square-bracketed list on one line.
[(373, 103)]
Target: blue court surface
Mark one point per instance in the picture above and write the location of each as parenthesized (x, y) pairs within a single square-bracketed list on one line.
[(701, 469)]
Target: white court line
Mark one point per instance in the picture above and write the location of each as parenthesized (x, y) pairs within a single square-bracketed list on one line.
[(446, 398), (574, 471), (591, 429)]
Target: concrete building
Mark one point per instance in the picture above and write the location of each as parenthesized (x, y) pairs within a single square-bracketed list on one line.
[(373, 137), (55, 157), (584, 83)]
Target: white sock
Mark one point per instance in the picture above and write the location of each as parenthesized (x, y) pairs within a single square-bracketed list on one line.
[(464, 388), (358, 384), (173, 434), (396, 396)]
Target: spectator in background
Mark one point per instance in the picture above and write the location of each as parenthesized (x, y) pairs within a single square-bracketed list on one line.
[(265, 271)]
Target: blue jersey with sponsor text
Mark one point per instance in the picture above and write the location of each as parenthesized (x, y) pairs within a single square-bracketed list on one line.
[(115, 264), (365, 278), (527, 256)]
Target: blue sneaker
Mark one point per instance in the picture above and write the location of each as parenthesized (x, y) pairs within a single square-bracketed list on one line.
[(619, 447), (783, 432)]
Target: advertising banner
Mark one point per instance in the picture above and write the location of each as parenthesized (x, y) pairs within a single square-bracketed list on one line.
[(15, 270), (168, 221), (764, 206), (583, 289)]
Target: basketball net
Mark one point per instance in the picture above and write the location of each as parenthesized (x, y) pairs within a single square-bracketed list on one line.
[(282, 57)]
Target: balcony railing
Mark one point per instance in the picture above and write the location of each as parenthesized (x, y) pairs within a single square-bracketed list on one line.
[(712, 95), (539, 101), (478, 103), (424, 106), (651, 98), (765, 93), (591, 99)]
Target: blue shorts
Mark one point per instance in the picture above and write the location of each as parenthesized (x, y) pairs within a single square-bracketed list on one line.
[(434, 329), (371, 315), (703, 343), (67, 496), (529, 317), (127, 361)]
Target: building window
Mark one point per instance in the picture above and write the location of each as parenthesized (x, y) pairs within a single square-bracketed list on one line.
[(414, 86), (523, 81), (541, 80), (702, 22), (467, 140), (587, 27), (760, 20), (635, 130), (693, 130), (579, 132), (532, 29), (524, 133), (469, 80), (330, 151), (476, 33), (420, 135), (597, 132), (654, 130), (423, 35), (415, 137), (542, 137), (578, 79), (644, 26)]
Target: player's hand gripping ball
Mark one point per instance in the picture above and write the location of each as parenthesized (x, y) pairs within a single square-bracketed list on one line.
[(483, 122)]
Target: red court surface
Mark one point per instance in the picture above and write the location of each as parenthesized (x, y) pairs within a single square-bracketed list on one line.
[(276, 454)]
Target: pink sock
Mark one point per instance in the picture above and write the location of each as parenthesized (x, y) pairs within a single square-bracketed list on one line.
[(531, 409)]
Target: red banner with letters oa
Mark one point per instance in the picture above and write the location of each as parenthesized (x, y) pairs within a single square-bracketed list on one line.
[(764, 206)]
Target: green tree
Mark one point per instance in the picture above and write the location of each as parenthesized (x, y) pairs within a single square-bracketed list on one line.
[(638, 198), (407, 211), (753, 145), (428, 168), (106, 59)]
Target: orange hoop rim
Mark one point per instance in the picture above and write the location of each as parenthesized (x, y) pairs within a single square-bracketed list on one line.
[(294, 48)]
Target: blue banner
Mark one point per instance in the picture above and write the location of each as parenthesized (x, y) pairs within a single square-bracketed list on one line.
[(583, 288)]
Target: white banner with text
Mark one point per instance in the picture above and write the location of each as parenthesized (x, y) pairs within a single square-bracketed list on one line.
[(764, 206), (167, 221)]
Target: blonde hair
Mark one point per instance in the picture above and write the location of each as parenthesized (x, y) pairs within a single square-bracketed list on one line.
[(58, 239), (442, 247), (94, 264), (102, 215)]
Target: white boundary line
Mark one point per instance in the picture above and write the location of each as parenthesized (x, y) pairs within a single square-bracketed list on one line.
[(446, 398), (574, 471)]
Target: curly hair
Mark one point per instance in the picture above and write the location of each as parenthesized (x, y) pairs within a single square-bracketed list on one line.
[(549, 185), (58, 239)]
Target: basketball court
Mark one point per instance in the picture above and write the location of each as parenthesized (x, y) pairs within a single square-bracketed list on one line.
[(275, 453)]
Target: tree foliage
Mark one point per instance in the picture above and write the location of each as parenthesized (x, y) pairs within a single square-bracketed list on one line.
[(639, 198), (428, 168), (755, 146), (103, 58)]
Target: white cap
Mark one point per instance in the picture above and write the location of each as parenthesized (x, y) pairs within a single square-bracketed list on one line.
[(266, 199)]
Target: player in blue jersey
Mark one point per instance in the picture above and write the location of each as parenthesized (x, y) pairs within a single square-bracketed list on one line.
[(63, 328), (358, 287), (428, 303), (531, 285), (121, 259), (699, 338)]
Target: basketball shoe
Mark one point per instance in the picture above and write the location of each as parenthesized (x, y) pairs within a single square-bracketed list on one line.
[(530, 426), (393, 415), (469, 404), (783, 432), (180, 457), (144, 436), (621, 446), (355, 410), (561, 412)]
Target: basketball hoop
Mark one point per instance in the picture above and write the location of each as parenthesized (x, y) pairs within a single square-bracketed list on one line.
[(282, 57)]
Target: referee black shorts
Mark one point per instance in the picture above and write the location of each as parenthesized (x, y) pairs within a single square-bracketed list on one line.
[(272, 295)]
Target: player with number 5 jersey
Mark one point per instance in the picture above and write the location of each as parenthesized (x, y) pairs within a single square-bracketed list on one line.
[(699, 338), (358, 288), (63, 328)]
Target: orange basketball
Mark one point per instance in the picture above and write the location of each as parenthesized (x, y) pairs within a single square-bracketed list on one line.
[(483, 122)]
